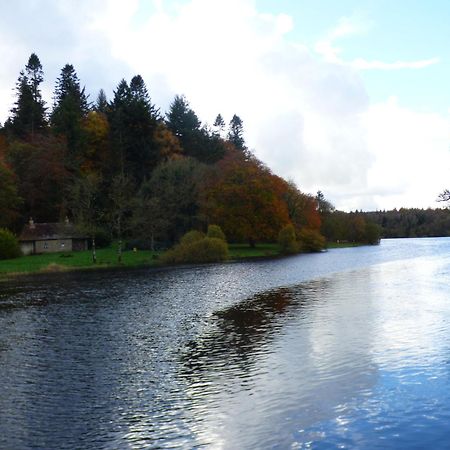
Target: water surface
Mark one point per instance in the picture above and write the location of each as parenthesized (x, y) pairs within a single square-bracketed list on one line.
[(346, 349)]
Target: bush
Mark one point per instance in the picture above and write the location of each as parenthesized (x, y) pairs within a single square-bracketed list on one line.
[(214, 231), (194, 247), (9, 247), (192, 236), (287, 240), (311, 240)]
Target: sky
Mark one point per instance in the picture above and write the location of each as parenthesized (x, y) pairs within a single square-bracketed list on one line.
[(348, 97)]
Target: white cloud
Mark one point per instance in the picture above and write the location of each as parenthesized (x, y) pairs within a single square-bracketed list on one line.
[(326, 47), (362, 64)]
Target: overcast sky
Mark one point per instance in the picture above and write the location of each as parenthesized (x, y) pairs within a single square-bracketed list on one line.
[(350, 97)]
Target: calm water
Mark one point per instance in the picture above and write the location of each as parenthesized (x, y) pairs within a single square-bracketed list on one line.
[(346, 349)]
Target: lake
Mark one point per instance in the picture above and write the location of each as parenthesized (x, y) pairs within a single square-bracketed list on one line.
[(344, 349)]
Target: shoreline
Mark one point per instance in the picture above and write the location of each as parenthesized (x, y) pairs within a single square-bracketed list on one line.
[(54, 267)]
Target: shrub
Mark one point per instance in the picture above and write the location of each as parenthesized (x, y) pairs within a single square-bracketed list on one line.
[(214, 231), (191, 237), (287, 240), (9, 247), (311, 240), (194, 247)]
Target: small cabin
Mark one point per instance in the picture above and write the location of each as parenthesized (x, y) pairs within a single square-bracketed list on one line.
[(51, 238)]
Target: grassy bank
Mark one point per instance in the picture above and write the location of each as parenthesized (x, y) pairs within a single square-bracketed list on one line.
[(107, 258), (54, 262)]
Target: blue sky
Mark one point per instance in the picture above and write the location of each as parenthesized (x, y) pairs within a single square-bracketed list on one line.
[(350, 97)]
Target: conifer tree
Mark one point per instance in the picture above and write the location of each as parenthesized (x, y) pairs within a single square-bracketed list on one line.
[(219, 124), (70, 107), (235, 133), (101, 105), (28, 114), (133, 121)]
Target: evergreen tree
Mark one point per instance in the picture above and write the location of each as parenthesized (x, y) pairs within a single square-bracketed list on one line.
[(196, 141), (101, 105), (182, 120), (235, 133), (28, 114), (70, 107), (133, 121), (219, 125)]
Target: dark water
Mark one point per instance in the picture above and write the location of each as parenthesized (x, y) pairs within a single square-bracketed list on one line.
[(347, 349)]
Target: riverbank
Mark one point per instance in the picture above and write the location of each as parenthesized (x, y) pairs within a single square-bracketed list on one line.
[(107, 258)]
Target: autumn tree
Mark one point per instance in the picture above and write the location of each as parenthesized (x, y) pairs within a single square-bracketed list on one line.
[(120, 208), (9, 198), (85, 205), (41, 176), (96, 155), (171, 198), (245, 199)]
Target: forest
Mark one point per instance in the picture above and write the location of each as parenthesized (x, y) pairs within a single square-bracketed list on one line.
[(122, 169)]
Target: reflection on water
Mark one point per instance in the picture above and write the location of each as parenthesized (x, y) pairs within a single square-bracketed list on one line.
[(316, 351)]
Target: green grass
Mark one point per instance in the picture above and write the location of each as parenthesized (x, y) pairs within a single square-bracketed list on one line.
[(244, 251), (343, 244), (106, 257)]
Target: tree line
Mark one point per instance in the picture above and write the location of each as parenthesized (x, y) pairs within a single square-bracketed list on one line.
[(122, 168)]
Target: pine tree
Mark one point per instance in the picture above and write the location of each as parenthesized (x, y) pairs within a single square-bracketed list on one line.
[(235, 133), (181, 119), (101, 105), (196, 141), (219, 125), (28, 114), (133, 121), (70, 107)]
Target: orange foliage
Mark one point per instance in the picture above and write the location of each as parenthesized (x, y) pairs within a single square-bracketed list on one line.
[(168, 144), (245, 199), (96, 155)]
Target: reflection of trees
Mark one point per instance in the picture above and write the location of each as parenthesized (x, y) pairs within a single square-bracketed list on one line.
[(241, 333)]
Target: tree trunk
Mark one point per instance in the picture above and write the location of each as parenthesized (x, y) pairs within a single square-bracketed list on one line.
[(94, 254)]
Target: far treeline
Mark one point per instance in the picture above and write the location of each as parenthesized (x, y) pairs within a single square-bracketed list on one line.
[(411, 222), (121, 169)]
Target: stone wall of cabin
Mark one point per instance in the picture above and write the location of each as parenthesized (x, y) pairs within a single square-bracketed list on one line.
[(53, 245)]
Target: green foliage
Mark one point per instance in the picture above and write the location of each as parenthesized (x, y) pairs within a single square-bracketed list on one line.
[(194, 247), (191, 237), (236, 133), (311, 240), (133, 120), (28, 114), (287, 240), (9, 247), (214, 231)]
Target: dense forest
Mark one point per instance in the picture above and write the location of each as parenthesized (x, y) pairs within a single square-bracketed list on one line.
[(121, 168), (411, 222)]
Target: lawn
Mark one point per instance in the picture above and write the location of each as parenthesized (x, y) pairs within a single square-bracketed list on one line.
[(244, 251), (106, 257)]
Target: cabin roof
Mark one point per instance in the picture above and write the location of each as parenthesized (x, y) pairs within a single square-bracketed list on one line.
[(49, 231)]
